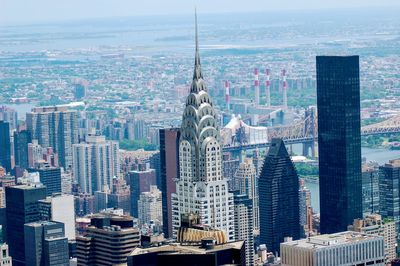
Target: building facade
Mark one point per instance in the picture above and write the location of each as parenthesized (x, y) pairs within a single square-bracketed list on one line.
[(244, 224), (22, 207), (150, 206), (46, 244), (95, 162), (370, 189), (169, 171), (340, 249), (55, 127), (21, 141), (5, 146), (246, 178), (279, 197), (50, 177), (339, 141), (201, 188)]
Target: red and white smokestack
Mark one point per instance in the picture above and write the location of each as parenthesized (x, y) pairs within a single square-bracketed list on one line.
[(256, 87), (268, 87), (284, 89), (227, 97)]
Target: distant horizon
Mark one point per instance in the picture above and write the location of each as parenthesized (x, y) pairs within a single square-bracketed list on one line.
[(289, 11)]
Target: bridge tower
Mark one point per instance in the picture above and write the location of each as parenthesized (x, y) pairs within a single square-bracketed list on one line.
[(309, 118)]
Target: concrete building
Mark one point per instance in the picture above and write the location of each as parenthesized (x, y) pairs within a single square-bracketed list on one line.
[(246, 178), (108, 240), (202, 188), (22, 207), (10, 116), (150, 206), (244, 227), (373, 224), (5, 258), (95, 163), (305, 209), (84, 204), (340, 249), (46, 244), (207, 253), (120, 197), (59, 208), (230, 166), (169, 171), (55, 127), (140, 181)]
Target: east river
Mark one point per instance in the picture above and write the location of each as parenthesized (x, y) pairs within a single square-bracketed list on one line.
[(381, 156)]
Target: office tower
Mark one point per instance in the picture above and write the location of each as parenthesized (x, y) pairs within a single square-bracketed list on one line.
[(9, 115), (201, 187), (247, 184), (55, 127), (389, 195), (5, 146), (21, 141), (340, 249), (244, 226), (373, 224), (140, 181), (150, 206), (108, 240), (59, 208), (305, 209), (22, 207), (230, 166), (5, 259), (339, 141), (35, 153), (96, 162), (169, 170), (120, 198), (279, 197), (46, 244), (84, 204), (50, 177), (206, 253), (370, 189)]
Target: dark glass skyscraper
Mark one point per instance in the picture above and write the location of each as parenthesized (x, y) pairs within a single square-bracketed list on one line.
[(22, 207), (169, 169), (339, 141), (279, 197), (50, 177), (21, 140), (5, 151)]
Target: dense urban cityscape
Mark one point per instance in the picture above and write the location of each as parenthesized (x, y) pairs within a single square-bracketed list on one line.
[(215, 139)]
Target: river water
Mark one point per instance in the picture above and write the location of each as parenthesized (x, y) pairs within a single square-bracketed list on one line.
[(379, 155)]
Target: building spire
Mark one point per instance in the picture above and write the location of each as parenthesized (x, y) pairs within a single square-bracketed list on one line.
[(197, 66)]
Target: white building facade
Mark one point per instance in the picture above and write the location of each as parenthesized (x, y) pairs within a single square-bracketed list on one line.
[(201, 187), (95, 163), (150, 206), (340, 249)]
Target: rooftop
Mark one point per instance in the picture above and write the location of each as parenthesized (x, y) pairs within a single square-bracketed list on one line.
[(323, 241)]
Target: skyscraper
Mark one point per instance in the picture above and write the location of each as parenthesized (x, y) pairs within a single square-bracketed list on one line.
[(279, 197), (22, 207), (5, 146), (150, 207), (50, 177), (21, 141), (339, 141), (201, 188), (46, 244), (169, 170), (96, 162), (370, 189), (246, 178), (244, 227), (55, 127)]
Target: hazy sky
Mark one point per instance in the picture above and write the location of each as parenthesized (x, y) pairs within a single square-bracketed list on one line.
[(25, 11)]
